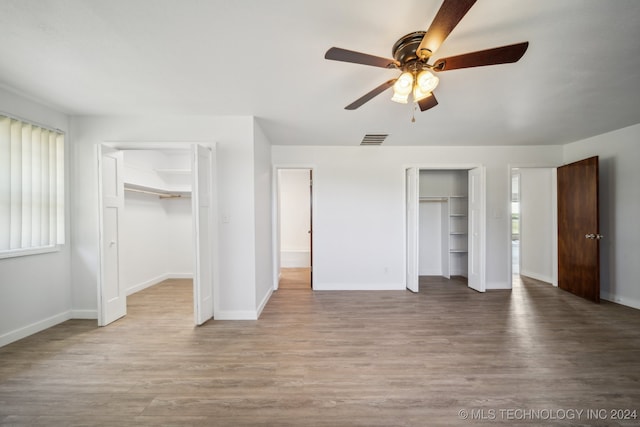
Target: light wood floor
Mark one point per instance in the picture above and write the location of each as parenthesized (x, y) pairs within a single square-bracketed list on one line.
[(295, 278), (383, 358)]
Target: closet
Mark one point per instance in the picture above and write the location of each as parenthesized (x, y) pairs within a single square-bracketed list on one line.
[(443, 223), (157, 237)]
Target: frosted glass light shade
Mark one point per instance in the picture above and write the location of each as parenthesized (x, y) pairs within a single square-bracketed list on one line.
[(402, 88), (427, 82), (419, 94)]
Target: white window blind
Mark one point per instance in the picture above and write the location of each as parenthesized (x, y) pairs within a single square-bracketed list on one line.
[(31, 187)]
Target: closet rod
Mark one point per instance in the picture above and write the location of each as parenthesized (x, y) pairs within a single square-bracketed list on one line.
[(155, 193), (433, 199)]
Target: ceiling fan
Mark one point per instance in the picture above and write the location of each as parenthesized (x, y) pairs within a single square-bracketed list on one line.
[(412, 53)]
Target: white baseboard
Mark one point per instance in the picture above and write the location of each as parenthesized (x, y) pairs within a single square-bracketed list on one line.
[(236, 315), (629, 302), (430, 273), (295, 259), (497, 286), (263, 303), (84, 314), (154, 281), (358, 287), (25, 331)]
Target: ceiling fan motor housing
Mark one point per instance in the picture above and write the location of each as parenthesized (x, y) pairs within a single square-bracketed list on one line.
[(404, 51)]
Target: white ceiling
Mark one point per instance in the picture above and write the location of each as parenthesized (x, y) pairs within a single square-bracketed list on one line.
[(580, 76)]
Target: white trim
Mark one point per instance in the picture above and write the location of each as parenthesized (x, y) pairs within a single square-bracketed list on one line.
[(359, 287), (157, 145), (264, 302), (84, 314), (629, 302), (11, 253), (34, 328), (498, 286), (97, 153), (236, 315), (154, 281)]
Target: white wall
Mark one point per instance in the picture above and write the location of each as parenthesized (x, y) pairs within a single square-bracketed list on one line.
[(359, 226), (180, 237), (619, 153), (443, 183), (157, 240), (35, 290), (295, 215), (234, 136), (157, 237), (537, 223), (263, 219)]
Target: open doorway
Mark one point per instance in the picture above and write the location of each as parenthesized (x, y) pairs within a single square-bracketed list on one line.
[(515, 225), (157, 223), (446, 225), (533, 224), (157, 235), (295, 228)]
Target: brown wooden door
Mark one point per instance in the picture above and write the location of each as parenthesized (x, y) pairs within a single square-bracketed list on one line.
[(578, 231)]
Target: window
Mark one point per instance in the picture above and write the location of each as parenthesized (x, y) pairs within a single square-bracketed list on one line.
[(31, 188)]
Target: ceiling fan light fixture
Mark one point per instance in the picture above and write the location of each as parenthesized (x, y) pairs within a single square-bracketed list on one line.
[(426, 81), (402, 88), (419, 94)]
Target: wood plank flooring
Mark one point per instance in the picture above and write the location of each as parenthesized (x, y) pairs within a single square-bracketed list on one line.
[(383, 358), (295, 278)]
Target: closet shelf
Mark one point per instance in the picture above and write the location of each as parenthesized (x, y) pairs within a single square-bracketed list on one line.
[(162, 193), (168, 171)]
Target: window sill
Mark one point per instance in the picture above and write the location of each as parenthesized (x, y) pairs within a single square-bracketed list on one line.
[(29, 251)]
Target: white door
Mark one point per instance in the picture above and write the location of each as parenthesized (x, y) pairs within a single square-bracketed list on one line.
[(413, 195), (203, 232), (477, 233), (113, 297)]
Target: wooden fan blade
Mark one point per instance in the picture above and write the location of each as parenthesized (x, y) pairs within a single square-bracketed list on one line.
[(498, 55), (377, 91), (450, 13), (344, 55), (428, 102)]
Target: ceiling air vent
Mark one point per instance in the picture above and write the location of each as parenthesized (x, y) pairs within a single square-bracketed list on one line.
[(374, 139)]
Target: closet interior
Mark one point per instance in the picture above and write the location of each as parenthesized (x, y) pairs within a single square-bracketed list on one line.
[(443, 223), (157, 238)]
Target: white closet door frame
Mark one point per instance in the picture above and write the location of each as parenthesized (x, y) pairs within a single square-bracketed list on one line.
[(203, 207), (477, 230), (112, 295), (477, 256), (412, 176), (107, 314)]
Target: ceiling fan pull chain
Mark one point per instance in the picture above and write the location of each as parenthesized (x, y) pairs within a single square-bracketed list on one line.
[(413, 111)]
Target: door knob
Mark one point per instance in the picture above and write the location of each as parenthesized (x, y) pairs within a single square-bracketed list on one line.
[(593, 236)]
